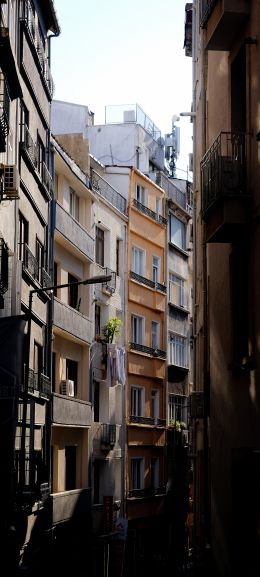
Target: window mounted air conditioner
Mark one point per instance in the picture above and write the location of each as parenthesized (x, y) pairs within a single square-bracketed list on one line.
[(67, 388)]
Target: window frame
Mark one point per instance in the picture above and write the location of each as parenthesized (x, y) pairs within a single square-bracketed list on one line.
[(137, 401), (138, 260), (181, 231), (137, 319), (137, 473), (178, 350)]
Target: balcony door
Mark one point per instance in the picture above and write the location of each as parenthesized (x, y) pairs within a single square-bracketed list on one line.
[(238, 92)]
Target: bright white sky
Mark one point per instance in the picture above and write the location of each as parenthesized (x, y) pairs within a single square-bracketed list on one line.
[(125, 52)]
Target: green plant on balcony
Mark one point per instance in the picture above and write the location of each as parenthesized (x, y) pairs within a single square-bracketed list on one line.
[(112, 329), (177, 425)]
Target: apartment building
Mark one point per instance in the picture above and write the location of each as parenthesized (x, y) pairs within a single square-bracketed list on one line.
[(25, 228), (226, 303)]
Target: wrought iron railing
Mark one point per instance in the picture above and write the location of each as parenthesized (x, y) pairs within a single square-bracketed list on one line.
[(37, 382), (46, 178), (29, 146), (142, 420), (109, 286), (45, 278), (223, 169), (28, 17), (147, 492), (147, 350), (35, 475), (3, 266), (146, 210), (155, 285), (206, 9), (4, 112), (30, 263), (102, 187)]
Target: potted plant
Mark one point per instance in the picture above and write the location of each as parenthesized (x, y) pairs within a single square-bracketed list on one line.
[(112, 329)]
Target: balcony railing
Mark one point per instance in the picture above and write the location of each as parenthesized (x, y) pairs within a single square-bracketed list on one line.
[(150, 283), (30, 263), (142, 420), (147, 350), (223, 169), (183, 198), (206, 9), (3, 266), (4, 112), (109, 286), (102, 187), (46, 178), (145, 210), (147, 492), (27, 16), (35, 476), (29, 146), (38, 382)]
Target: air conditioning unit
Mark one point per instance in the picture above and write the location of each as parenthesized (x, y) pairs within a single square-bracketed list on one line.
[(67, 388), (9, 182)]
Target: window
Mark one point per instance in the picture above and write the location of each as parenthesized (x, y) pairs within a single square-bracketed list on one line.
[(137, 329), (100, 244), (55, 277), (155, 335), (70, 468), (96, 400), (155, 404), (23, 236), (158, 204), (137, 473), (156, 269), (177, 232), (141, 194), (73, 291), (39, 254), (38, 361), (154, 472), (176, 290), (40, 154), (118, 256), (72, 373), (97, 320), (74, 204), (137, 401), (178, 351), (177, 407), (138, 260)]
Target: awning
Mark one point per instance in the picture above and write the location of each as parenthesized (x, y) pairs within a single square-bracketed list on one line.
[(8, 65)]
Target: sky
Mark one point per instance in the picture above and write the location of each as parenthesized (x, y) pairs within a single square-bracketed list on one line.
[(125, 52)]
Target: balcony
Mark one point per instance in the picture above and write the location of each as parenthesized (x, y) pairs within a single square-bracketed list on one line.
[(147, 350), (70, 504), (71, 411), (38, 384), (32, 268), (72, 321), (102, 187), (4, 113), (29, 147), (8, 64), (223, 21), (150, 283), (225, 198), (183, 198), (73, 233), (145, 210)]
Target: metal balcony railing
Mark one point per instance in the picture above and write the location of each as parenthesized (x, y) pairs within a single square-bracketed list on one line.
[(109, 286), (3, 266), (147, 350), (35, 477), (102, 187), (30, 263), (147, 492), (145, 210), (46, 178), (37, 382), (29, 146), (142, 420), (183, 198), (27, 15), (155, 285), (4, 112), (206, 9), (223, 169)]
